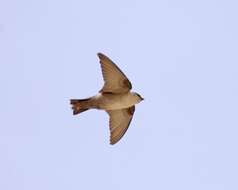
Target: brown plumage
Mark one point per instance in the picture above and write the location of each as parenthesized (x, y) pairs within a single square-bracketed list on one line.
[(115, 98)]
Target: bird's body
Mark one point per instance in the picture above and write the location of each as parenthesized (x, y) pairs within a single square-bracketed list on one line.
[(115, 98), (109, 101)]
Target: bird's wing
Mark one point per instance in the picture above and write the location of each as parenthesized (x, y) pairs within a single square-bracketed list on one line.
[(119, 122), (115, 81)]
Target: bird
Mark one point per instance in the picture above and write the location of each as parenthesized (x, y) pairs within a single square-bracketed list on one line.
[(115, 98)]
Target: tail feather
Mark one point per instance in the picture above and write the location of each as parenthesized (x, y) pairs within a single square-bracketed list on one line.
[(79, 105)]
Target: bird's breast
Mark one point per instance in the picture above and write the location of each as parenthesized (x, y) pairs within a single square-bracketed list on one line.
[(109, 101)]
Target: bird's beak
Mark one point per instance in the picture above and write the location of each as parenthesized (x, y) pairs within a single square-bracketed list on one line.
[(142, 99)]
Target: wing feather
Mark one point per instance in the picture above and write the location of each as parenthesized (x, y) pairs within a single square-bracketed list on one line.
[(115, 81), (119, 123)]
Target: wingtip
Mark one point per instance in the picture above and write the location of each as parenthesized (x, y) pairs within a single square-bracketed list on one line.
[(100, 55), (112, 142)]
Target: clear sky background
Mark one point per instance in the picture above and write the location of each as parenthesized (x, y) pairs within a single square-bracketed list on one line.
[(181, 56)]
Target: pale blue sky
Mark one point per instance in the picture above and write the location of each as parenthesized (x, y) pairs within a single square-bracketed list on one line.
[(181, 56)]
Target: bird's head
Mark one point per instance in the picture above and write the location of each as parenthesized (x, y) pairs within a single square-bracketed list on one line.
[(138, 97)]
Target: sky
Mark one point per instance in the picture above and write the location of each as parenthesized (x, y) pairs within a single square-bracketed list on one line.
[(181, 56)]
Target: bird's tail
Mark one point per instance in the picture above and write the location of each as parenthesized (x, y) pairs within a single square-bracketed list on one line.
[(80, 105)]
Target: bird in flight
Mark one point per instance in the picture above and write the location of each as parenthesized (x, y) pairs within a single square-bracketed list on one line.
[(115, 98)]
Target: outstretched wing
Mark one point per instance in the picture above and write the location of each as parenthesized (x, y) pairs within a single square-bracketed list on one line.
[(115, 81), (119, 123)]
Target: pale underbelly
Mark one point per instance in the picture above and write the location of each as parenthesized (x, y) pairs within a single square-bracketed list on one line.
[(114, 106), (113, 103)]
